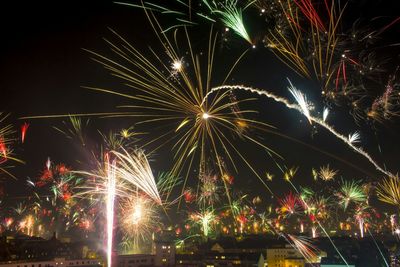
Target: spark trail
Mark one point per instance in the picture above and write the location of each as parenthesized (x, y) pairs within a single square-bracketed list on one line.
[(311, 118), (110, 208)]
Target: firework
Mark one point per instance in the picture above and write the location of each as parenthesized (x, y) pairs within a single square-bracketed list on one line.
[(304, 110), (301, 101), (290, 205), (139, 218), (74, 128), (350, 192), (6, 142), (325, 114), (354, 138), (305, 247), (111, 183), (209, 190), (197, 132), (205, 219), (386, 105), (361, 215), (326, 173), (389, 191), (134, 169), (24, 128), (231, 16), (313, 42)]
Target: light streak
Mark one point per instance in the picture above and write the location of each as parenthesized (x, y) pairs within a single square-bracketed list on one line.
[(110, 170), (231, 16), (316, 120), (24, 128), (135, 169), (325, 114)]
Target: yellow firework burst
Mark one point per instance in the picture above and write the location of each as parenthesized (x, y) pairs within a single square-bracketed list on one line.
[(7, 140), (326, 173), (389, 191), (167, 92)]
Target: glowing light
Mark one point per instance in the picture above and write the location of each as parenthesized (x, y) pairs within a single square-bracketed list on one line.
[(301, 101), (205, 115), (137, 213), (135, 169), (354, 138), (325, 114), (110, 170), (177, 65)]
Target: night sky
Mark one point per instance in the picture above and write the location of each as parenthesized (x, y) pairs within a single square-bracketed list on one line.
[(43, 69)]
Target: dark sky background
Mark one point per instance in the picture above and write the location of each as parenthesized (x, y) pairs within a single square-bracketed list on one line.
[(43, 69)]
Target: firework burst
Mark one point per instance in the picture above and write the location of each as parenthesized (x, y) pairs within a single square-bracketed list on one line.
[(196, 130), (389, 191), (350, 192), (326, 173), (139, 217)]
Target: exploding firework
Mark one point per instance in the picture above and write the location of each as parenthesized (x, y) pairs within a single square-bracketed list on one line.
[(389, 191), (139, 219), (7, 140), (196, 130), (350, 192), (326, 173), (290, 205), (134, 170), (305, 247), (206, 220), (231, 16)]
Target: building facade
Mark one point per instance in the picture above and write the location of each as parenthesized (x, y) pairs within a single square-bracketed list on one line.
[(280, 256), (135, 260), (55, 263)]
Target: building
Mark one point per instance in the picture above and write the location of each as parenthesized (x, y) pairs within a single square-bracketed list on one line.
[(216, 259), (294, 262), (20, 250), (276, 257), (336, 265), (55, 263), (135, 260), (163, 249)]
